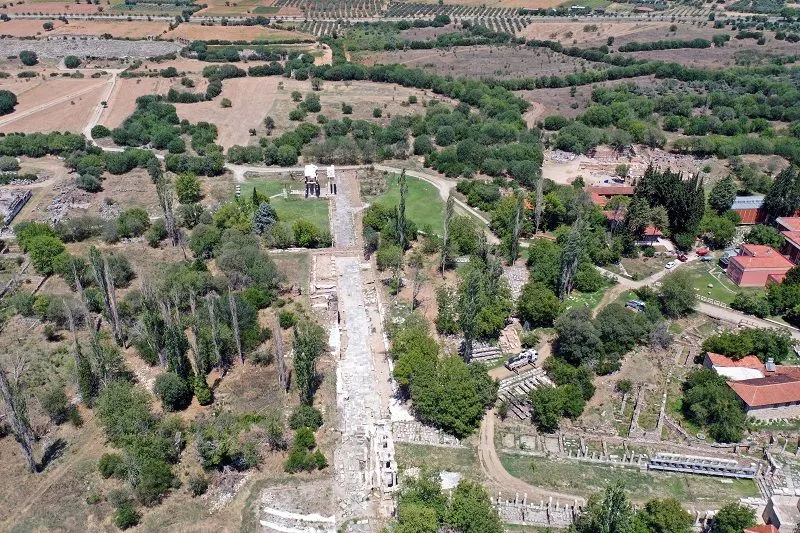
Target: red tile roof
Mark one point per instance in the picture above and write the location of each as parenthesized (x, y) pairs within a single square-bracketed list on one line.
[(792, 237), (748, 361), (612, 190), (762, 529), (756, 256), (614, 215), (789, 223), (770, 390)]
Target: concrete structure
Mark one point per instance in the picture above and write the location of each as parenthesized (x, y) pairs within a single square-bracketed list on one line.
[(756, 265), (709, 466), (11, 203), (749, 209), (312, 183), (783, 512), (331, 174), (748, 367)]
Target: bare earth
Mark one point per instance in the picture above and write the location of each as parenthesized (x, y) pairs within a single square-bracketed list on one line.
[(118, 28), (50, 7), (123, 99), (251, 98), (232, 33)]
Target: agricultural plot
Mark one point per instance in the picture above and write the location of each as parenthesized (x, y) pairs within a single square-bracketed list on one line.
[(488, 61), (334, 9), (234, 33), (743, 52), (465, 10)]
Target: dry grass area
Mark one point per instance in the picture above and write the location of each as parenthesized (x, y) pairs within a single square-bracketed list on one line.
[(735, 52), (364, 96), (233, 33), (53, 104), (126, 30), (622, 31), (488, 61), (533, 4), (24, 28), (251, 99), (51, 8)]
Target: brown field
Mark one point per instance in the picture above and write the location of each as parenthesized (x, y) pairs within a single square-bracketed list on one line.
[(25, 28), (532, 4), (122, 101), (52, 8), (54, 104), (252, 98), (233, 33), (117, 28), (487, 61), (735, 52), (568, 32), (364, 96)]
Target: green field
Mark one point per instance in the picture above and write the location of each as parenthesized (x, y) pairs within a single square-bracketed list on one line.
[(585, 479), (294, 207), (463, 460), (424, 206), (722, 289)]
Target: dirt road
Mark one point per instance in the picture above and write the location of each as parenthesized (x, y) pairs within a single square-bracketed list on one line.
[(499, 478)]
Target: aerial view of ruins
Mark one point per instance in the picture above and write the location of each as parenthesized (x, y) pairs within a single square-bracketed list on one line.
[(400, 266)]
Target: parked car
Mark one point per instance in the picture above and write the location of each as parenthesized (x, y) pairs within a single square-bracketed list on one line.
[(703, 252), (706, 259), (636, 305), (682, 258), (670, 265)]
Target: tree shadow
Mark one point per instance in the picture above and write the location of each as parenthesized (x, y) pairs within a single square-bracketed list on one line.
[(53, 452)]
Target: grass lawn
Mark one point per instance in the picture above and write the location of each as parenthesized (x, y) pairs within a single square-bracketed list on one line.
[(642, 267), (585, 479), (586, 299), (293, 207), (722, 289), (463, 460), (423, 204)]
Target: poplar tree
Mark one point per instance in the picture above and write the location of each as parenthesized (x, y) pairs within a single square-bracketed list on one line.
[(402, 238), (17, 413), (448, 217)]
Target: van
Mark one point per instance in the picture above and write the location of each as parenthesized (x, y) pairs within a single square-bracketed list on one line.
[(528, 357)]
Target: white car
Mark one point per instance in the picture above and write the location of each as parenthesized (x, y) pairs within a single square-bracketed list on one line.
[(670, 265)]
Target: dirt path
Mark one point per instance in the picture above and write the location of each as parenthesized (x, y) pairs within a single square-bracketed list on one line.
[(326, 58), (98, 112), (60, 100), (498, 476), (533, 114)]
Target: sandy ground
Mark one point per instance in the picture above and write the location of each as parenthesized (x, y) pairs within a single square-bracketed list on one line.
[(123, 99), (559, 30), (233, 33), (25, 28), (252, 98)]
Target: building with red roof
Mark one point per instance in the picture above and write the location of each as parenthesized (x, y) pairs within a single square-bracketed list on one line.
[(790, 229), (757, 264), (769, 528), (766, 390), (601, 194)]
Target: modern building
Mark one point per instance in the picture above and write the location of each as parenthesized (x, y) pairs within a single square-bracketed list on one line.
[(767, 391), (756, 265), (749, 209)]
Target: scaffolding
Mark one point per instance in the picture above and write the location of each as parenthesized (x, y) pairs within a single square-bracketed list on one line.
[(708, 466)]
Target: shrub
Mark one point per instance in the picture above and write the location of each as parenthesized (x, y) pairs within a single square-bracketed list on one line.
[(172, 390), (226, 102), (28, 58), (198, 485), (88, 183), (377, 113), (156, 233), (202, 391), (111, 464), (55, 403), (133, 222), (9, 163), (305, 416), (126, 516), (100, 132), (287, 319), (7, 102), (347, 109), (72, 62)]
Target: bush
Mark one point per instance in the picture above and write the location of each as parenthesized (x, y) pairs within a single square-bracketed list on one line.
[(133, 222), (202, 391), (9, 163), (287, 319), (347, 109), (111, 465), (377, 113), (126, 516), (72, 62), (198, 485), (88, 183), (172, 390), (226, 102), (305, 416), (55, 403), (156, 233), (7, 102), (100, 132), (28, 58)]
